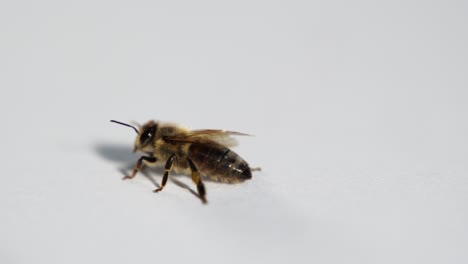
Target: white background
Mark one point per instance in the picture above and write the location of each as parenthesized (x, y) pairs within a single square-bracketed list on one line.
[(359, 110)]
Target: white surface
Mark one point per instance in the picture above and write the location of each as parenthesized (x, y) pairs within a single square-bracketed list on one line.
[(359, 111)]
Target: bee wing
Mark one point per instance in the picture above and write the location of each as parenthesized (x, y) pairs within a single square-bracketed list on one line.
[(222, 137)]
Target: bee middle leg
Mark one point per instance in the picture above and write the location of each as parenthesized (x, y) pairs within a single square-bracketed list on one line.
[(196, 178), (167, 169), (139, 165)]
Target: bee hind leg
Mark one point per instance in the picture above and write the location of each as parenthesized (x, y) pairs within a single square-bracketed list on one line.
[(139, 165), (167, 169), (196, 178)]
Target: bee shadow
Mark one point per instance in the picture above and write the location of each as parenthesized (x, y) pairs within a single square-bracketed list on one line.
[(159, 171), (123, 154), (115, 153)]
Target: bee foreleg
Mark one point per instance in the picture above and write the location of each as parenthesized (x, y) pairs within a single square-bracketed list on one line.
[(167, 169), (139, 165), (196, 178)]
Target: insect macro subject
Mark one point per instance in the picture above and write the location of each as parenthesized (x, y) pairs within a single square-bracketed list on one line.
[(199, 153)]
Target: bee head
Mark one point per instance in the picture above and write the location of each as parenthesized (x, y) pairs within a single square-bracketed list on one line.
[(145, 136)]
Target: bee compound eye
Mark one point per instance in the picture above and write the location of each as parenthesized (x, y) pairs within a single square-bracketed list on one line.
[(147, 135)]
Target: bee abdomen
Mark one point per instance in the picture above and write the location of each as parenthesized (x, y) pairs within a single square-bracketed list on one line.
[(219, 162)]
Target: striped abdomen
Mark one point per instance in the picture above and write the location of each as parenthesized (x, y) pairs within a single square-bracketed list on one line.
[(219, 162)]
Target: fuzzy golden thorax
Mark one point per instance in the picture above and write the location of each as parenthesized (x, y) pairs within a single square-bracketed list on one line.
[(152, 135)]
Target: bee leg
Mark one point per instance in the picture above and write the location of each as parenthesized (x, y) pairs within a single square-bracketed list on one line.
[(196, 178), (167, 169), (139, 165)]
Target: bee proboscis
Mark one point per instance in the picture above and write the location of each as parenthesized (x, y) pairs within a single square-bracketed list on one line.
[(199, 153)]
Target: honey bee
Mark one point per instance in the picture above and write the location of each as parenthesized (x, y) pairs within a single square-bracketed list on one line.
[(193, 152)]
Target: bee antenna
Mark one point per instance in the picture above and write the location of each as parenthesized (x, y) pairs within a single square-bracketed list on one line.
[(123, 124)]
